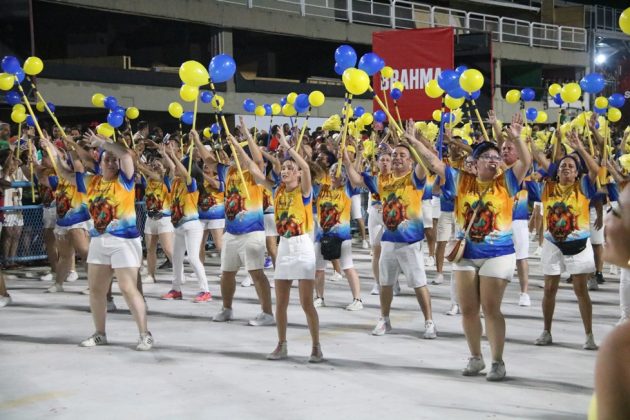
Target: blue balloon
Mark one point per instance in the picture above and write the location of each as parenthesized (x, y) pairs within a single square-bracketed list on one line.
[(460, 69), (13, 98), (119, 110), (396, 94), (10, 64), (616, 100), (528, 94), (110, 102), (557, 99), (380, 116), (20, 75), (531, 113), (187, 118), (457, 93), (448, 80), (600, 111), (30, 121), (206, 97), (283, 101), (301, 101), (370, 63), (300, 108), (115, 119), (447, 117), (473, 96), (51, 106), (215, 128), (268, 111), (345, 56), (249, 105), (358, 111), (593, 83), (339, 69), (222, 67)]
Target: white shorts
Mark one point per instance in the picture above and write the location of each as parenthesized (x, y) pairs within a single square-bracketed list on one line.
[(296, 259), (597, 235), (405, 258), (553, 263), (498, 267), (62, 230), (115, 252), (435, 207), (355, 208), (246, 250), (427, 214), (446, 226), (13, 219), (520, 236), (209, 224), (376, 226), (345, 261), (158, 226), (270, 225), (49, 217)]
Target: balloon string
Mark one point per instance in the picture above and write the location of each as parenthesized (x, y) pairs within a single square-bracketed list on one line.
[(558, 135), (344, 129), (483, 127)]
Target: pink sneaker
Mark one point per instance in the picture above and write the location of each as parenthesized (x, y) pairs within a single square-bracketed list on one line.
[(202, 297), (172, 295)]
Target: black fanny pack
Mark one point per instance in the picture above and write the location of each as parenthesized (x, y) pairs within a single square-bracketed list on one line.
[(330, 247), (572, 247), (155, 214)]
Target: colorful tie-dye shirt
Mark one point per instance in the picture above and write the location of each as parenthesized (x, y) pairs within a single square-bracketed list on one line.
[(112, 206), (378, 180), (293, 214), (211, 202), (333, 211), (71, 201), (242, 215), (47, 192), (157, 196), (184, 202)]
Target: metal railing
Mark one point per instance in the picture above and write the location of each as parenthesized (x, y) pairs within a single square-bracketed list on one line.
[(401, 14)]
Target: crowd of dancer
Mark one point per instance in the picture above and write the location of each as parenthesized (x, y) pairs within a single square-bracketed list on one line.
[(291, 202)]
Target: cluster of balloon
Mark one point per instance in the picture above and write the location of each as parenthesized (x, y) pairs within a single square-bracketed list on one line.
[(315, 99), (116, 115), (12, 75)]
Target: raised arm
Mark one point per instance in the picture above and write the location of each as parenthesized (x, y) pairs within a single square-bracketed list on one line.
[(180, 169), (433, 161), (591, 164), (248, 163), (62, 169), (123, 154), (257, 156), (524, 161), (591, 125), (275, 162), (492, 119), (148, 172), (354, 176), (203, 153), (306, 170)]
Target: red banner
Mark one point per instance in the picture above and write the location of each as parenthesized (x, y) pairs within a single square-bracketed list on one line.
[(417, 56)]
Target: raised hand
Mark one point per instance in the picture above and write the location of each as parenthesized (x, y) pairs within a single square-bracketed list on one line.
[(517, 125)]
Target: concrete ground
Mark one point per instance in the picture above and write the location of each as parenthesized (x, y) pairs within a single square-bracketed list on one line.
[(202, 369)]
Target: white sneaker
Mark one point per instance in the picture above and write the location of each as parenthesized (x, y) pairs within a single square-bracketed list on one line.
[(430, 332), (589, 344), (336, 277), (538, 252), (592, 284), (262, 320), (72, 276), (439, 279), (111, 306), (365, 244), (4, 301), (544, 339), (85, 291), (319, 302), (454, 310), (356, 305), (376, 289), (148, 279), (396, 288), (524, 300), (55, 288), (225, 314), (47, 277), (95, 340), (475, 365), (248, 282), (383, 326), (145, 342), (429, 261), (144, 270)]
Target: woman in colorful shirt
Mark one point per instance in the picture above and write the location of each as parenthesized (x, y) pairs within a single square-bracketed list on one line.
[(188, 229), (296, 255), (115, 247), (567, 229)]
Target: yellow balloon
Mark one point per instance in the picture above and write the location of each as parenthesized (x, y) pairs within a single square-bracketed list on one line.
[(188, 93), (6, 81), (433, 89), (18, 117), (33, 66), (217, 102), (554, 89), (193, 73), (513, 96), (260, 111), (614, 114), (132, 113), (19, 108), (175, 109), (98, 100), (387, 72), (453, 103), (592, 408), (541, 117), (471, 80), (275, 109), (601, 102), (398, 85), (367, 118), (288, 110), (349, 111), (40, 106), (105, 129), (571, 92), (356, 81), (207, 133), (316, 98), (291, 97), (437, 115), (624, 21)]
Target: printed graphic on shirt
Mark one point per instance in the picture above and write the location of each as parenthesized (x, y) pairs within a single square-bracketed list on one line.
[(184, 202), (71, 201), (211, 203), (293, 213), (242, 215), (566, 210), (333, 210), (112, 207), (157, 197)]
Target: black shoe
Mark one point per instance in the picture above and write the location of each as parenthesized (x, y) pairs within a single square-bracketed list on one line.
[(570, 279), (600, 278), (166, 264)]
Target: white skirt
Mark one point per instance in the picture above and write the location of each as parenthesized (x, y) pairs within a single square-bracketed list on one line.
[(296, 259)]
